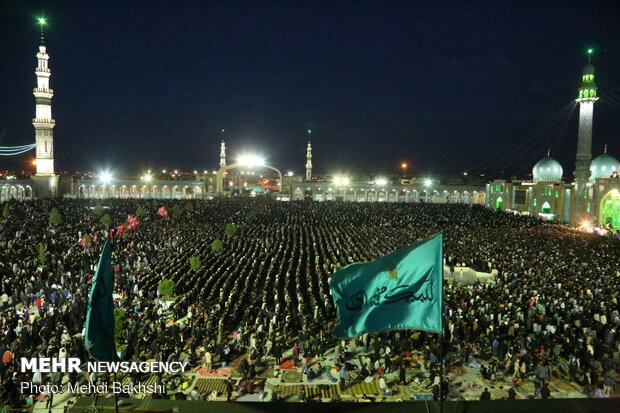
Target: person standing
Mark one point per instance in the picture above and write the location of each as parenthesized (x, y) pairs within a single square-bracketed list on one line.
[(229, 389), (486, 394), (208, 361)]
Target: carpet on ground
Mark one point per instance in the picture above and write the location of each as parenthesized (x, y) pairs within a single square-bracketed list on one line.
[(221, 372)]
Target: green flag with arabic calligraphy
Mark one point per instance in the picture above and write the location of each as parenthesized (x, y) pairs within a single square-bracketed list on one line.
[(401, 290)]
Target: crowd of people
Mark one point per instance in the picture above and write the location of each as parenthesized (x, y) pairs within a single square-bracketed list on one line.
[(551, 312)]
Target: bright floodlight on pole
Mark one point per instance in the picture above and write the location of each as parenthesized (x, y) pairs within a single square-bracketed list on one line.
[(251, 160), (381, 181), (428, 182), (345, 181), (105, 177)]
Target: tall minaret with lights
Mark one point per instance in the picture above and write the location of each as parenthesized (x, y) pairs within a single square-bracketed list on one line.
[(309, 158), (223, 154), (586, 99), (45, 180)]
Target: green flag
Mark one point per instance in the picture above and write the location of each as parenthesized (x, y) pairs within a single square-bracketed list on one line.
[(99, 338), (401, 290)]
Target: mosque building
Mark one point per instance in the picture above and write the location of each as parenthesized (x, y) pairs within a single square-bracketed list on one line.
[(594, 196)]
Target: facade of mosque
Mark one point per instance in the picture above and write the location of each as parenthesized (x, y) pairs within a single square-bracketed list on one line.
[(593, 197)]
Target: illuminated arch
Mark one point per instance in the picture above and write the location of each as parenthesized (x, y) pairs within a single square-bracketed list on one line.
[(610, 209), (499, 203)]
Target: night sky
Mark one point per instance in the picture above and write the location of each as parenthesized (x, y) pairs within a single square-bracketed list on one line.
[(446, 86)]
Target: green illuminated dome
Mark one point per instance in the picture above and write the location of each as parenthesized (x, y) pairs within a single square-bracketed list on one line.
[(547, 169), (603, 165), (589, 69)]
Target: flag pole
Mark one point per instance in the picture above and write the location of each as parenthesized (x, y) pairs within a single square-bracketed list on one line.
[(440, 367), (441, 339)]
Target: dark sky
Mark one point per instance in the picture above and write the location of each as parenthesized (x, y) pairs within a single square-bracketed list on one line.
[(445, 86)]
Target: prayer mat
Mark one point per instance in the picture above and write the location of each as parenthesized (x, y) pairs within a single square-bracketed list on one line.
[(208, 385), (361, 389), (288, 364), (221, 372), (290, 390), (291, 376)]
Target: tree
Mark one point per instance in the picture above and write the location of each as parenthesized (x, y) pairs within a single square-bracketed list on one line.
[(98, 210), (6, 211), (217, 245), (140, 212), (189, 207), (195, 263), (166, 289), (42, 254), (176, 211), (120, 322), (106, 220), (230, 229), (55, 217)]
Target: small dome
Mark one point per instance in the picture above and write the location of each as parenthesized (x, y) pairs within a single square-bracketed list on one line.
[(547, 169), (603, 165), (258, 189), (588, 70)]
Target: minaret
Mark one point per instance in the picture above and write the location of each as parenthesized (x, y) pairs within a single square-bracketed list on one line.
[(43, 122), (587, 97), (223, 154), (309, 162)]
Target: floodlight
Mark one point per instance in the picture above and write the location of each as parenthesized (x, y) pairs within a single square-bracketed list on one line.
[(251, 160), (105, 177)]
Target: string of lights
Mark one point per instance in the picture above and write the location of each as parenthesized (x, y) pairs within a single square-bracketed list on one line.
[(15, 150)]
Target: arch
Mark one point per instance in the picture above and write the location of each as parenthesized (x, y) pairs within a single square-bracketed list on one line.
[(610, 209), (197, 191), (123, 191), (165, 192), (4, 193), (21, 192), (499, 203), (145, 192), (134, 192), (28, 191), (546, 208)]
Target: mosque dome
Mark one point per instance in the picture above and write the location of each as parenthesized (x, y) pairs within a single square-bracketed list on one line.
[(603, 165), (258, 189), (547, 169)]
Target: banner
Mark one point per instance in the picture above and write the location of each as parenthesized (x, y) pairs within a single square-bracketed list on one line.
[(99, 337), (402, 290)]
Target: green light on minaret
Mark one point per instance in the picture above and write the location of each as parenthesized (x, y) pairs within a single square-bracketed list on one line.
[(309, 131), (590, 51), (42, 21)]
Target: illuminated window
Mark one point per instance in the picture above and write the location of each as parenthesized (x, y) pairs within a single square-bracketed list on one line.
[(546, 208), (534, 201), (588, 207), (557, 194)]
